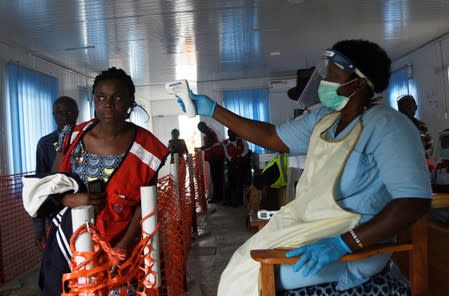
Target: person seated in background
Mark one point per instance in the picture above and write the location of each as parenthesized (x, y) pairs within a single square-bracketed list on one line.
[(365, 177), (65, 112), (176, 145), (440, 175), (235, 150), (252, 195), (275, 175), (407, 106), (259, 195)]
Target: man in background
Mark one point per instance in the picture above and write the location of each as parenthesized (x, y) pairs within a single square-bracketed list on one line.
[(214, 155), (235, 149), (65, 112), (407, 106), (176, 145)]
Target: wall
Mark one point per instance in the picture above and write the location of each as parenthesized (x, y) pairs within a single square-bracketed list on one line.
[(281, 107), (430, 65), (164, 115)]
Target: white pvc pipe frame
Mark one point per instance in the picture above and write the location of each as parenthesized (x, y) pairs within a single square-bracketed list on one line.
[(85, 214), (80, 216), (148, 196), (174, 172)]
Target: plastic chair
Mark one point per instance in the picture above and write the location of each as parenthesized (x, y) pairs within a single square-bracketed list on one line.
[(414, 241)]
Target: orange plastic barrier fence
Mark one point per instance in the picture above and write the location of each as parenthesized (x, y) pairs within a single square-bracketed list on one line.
[(108, 270), (175, 235), (200, 192), (18, 253)]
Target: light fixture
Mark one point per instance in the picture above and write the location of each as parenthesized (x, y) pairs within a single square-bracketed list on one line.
[(79, 48)]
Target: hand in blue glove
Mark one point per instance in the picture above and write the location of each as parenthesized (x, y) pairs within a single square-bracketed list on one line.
[(318, 254), (203, 104)]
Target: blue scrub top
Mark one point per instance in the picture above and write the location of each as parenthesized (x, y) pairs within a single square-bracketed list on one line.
[(387, 162)]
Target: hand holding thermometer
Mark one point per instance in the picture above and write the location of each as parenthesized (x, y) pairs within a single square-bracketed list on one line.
[(180, 88)]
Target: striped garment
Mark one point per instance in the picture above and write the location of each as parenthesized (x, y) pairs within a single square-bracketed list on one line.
[(426, 138)]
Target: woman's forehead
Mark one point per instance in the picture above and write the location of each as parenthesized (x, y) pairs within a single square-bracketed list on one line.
[(116, 84)]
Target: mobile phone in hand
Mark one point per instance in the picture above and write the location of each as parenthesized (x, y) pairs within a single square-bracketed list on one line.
[(95, 186)]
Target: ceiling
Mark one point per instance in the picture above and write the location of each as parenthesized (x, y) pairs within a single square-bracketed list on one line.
[(204, 40)]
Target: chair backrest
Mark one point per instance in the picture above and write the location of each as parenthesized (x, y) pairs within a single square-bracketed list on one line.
[(418, 259)]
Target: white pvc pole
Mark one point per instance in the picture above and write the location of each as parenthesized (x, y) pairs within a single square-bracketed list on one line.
[(148, 196), (190, 166), (174, 171), (81, 215)]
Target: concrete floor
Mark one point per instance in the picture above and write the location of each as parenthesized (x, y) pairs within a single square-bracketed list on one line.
[(210, 253), (26, 285), (221, 232)]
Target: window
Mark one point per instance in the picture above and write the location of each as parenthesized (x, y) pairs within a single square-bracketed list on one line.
[(87, 104), (30, 97), (249, 103), (401, 83)]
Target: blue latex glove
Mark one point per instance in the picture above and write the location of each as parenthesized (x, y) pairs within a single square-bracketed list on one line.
[(318, 254), (203, 104)]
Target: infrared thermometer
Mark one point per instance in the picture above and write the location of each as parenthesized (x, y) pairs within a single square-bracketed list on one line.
[(180, 88), (265, 215)]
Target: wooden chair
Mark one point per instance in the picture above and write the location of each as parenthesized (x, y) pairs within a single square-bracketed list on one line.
[(415, 244), (254, 222)]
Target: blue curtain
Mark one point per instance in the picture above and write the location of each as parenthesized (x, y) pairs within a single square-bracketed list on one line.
[(30, 98), (249, 103), (401, 83)]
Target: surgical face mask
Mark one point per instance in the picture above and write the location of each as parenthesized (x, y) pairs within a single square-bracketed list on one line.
[(327, 92), (443, 153)]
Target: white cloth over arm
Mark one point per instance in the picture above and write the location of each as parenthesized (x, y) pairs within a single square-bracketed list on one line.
[(36, 190)]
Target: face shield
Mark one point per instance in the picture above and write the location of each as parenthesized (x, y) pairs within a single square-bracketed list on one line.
[(332, 67)]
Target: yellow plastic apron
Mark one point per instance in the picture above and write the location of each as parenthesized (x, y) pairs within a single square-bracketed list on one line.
[(313, 214)]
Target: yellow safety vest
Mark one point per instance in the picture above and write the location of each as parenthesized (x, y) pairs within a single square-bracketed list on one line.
[(282, 165)]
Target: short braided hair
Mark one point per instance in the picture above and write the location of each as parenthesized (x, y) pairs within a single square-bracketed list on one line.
[(117, 74)]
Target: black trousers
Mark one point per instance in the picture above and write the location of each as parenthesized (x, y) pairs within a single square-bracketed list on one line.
[(216, 164), (54, 264)]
